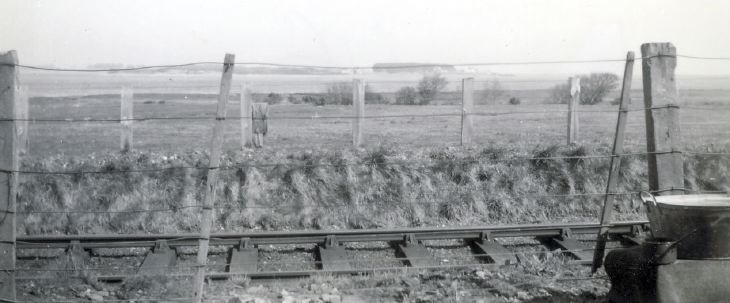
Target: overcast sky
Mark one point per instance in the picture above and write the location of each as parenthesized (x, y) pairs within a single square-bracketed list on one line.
[(78, 33)]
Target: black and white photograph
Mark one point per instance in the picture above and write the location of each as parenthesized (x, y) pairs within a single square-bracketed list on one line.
[(352, 151)]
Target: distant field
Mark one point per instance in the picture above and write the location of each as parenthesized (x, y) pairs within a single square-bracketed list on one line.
[(303, 126)]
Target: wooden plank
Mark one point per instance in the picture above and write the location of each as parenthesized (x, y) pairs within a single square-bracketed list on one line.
[(126, 113), (8, 177), (467, 108), (333, 258), (574, 84), (494, 251), (246, 118), (159, 261), (577, 249), (216, 146), (243, 260), (358, 108), (666, 170), (613, 173)]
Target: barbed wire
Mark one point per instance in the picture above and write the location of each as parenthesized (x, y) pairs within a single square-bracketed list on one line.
[(316, 117), (432, 162), (355, 67)]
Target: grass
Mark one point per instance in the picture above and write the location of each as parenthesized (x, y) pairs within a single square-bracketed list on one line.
[(354, 189), (436, 191)]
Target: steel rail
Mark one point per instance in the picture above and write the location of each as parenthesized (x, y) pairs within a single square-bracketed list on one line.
[(319, 236)]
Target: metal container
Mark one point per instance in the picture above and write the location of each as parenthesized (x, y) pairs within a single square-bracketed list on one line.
[(660, 251), (698, 224)]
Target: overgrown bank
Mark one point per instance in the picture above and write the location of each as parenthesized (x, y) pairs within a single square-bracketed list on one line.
[(383, 187)]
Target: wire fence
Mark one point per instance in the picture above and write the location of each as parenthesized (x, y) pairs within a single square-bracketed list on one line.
[(444, 262)]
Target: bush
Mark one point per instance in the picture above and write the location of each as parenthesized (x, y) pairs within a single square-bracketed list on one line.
[(593, 88), (339, 93), (429, 86), (374, 98), (406, 96), (514, 101), (273, 98)]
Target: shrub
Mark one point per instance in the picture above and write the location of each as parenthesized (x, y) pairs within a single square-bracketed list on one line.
[(406, 96), (273, 98), (339, 93), (374, 98), (514, 101), (593, 88), (429, 86)]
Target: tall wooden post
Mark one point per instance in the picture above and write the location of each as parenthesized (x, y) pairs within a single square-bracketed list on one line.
[(574, 83), (126, 115), (246, 118), (8, 172), (358, 111), (216, 147), (467, 108), (666, 171), (613, 174)]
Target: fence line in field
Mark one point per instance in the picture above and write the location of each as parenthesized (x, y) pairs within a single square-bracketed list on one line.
[(663, 154)]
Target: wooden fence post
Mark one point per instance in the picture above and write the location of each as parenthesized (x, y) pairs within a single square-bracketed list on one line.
[(22, 108), (467, 108), (246, 118), (613, 174), (574, 84), (126, 114), (216, 147), (8, 174), (666, 171), (358, 107)]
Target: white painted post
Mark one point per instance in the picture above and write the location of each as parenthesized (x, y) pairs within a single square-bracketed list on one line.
[(126, 114), (246, 118), (573, 109), (467, 108), (358, 108)]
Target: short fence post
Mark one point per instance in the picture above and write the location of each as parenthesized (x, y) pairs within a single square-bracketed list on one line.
[(358, 107), (574, 84), (216, 147), (613, 174), (8, 172), (467, 108), (126, 115), (22, 108), (666, 171), (246, 118)]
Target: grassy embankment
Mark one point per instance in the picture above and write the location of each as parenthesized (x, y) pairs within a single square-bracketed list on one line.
[(352, 189)]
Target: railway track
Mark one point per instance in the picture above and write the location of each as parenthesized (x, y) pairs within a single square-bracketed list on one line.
[(332, 251)]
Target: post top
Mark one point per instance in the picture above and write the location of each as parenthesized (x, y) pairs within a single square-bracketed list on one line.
[(662, 48), (9, 57)]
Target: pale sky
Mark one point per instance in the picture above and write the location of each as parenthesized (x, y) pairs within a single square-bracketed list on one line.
[(76, 33)]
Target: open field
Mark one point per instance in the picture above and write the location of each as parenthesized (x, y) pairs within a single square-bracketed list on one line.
[(303, 127)]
